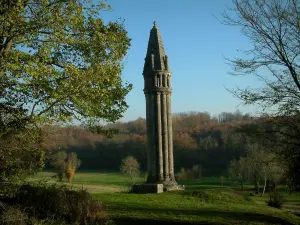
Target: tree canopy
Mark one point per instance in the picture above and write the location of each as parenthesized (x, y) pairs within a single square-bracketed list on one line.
[(273, 29), (60, 61)]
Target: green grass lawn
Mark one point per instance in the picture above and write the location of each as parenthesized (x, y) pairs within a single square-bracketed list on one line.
[(204, 201), (94, 182)]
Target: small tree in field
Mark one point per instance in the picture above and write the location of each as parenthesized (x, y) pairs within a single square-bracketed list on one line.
[(238, 170), (65, 164), (197, 171), (58, 161), (222, 179), (72, 164), (131, 167)]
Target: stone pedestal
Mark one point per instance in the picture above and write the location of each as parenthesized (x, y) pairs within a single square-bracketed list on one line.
[(147, 188), (175, 187), (155, 188)]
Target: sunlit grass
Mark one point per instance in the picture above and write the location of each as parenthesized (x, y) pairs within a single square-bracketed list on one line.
[(205, 200)]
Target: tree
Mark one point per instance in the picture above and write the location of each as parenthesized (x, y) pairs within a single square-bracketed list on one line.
[(72, 163), (238, 170), (273, 28), (272, 170), (58, 161), (254, 162), (59, 61), (65, 164), (20, 154), (197, 171), (263, 164), (130, 167)]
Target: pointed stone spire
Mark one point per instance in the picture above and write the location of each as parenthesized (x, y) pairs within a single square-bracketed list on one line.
[(156, 58), (158, 91)]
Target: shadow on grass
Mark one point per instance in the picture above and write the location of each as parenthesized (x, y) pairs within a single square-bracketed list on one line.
[(293, 200), (127, 221), (225, 216)]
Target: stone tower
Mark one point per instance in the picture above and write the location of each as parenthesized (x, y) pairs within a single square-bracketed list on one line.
[(157, 89)]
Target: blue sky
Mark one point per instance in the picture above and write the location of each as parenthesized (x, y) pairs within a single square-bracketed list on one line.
[(196, 44)]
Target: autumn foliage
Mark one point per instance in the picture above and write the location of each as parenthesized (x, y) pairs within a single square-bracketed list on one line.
[(199, 139)]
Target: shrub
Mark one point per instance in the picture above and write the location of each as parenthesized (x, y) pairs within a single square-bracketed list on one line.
[(13, 215), (61, 203), (275, 200), (186, 174), (182, 175)]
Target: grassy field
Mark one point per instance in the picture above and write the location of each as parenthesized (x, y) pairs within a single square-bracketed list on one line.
[(204, 201)]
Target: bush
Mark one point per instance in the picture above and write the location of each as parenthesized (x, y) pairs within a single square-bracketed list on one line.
[(13, 215), (275, 200), (182, 175), (61, 203), (186, 174)]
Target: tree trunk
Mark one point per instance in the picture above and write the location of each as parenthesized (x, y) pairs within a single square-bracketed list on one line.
[(257, 186), (263, 192), (274, 187)]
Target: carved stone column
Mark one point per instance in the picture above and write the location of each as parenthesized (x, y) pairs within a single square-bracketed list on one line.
[(159, 138), (170, 138), (165, 136), (157, 88), (154, 154), (149, 136)]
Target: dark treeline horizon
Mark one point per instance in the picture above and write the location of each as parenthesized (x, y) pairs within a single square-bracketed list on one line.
[(199, 139)]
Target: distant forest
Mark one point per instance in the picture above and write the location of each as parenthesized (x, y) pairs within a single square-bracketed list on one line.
[(199, 139)]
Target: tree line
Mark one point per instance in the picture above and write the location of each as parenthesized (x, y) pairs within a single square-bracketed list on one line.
[(199, 139)]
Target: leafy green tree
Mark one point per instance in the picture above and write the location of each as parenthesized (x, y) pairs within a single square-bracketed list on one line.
[(59, 61), (131, 167), (20, 154), (58, 161)]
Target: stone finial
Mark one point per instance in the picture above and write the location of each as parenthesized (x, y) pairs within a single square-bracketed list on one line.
[(154, 24)]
